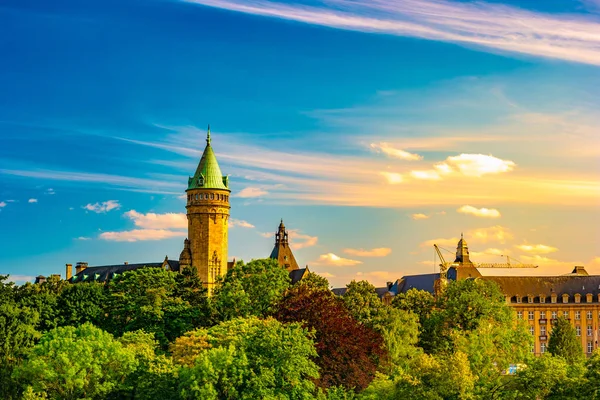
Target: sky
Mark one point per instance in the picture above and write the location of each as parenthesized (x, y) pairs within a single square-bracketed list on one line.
[(373, 128)]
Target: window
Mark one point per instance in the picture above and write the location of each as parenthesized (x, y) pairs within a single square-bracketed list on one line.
[(531, 330), (520, 314), (542, 348), (577, 315), (518, 299), (531, 315), (554, 315), (543, 330), (542, 299), (533, 348), (530, 299), (212, 196), (590, 347), (589, 330), (565, 298), (578, 330), (566, 314), (588, 315), (553, 298), (542, 314)]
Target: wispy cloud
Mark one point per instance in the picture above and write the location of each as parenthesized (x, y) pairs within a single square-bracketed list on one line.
[(419, 216), (394, 152), (377, 252), (333, 260), (479, 212), (103, 207), (249, 192), (497, 233), (536, 248), (299, 240), (84, 238), (136, 235), (484, 25), (32, 201), (238, 222), (20, 278), (158, 221), (2, 204)]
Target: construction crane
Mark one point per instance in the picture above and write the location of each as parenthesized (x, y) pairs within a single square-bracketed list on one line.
[(445, 265)]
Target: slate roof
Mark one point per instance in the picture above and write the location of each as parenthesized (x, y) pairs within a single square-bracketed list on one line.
[(107, 272), (420, 282), (546, 285), (297, 274)]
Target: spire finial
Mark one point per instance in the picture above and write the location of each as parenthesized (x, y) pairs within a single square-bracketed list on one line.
[(208, 135), (461, 235)]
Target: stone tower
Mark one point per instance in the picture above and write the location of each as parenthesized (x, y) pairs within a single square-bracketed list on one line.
[(282, 252), (462, 252), (208, 216)]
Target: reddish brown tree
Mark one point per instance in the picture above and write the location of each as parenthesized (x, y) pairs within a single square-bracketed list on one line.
[(349, 352)]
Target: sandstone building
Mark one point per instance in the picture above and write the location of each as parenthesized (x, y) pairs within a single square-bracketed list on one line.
[(205, 248)]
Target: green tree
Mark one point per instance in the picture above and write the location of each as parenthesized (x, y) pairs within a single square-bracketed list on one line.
[(148, 299), (80, 303), (252, 359), (416, 301), (250, 289), (362, 301), (42, 298), (539, 379), (17, 336), (75, 363), (400, 332), (564, 342), (315, 281)]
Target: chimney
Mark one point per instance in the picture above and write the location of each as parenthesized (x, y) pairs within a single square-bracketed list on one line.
[(126, 263), (55, 277), (80, 266), (40, 279), (69, 271)]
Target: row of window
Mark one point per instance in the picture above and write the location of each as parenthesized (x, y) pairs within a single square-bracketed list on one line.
[(531, 315), (553, 298), (590, 330), (211, 196), (544, 347)]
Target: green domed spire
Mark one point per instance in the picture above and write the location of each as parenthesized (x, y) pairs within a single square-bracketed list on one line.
[(208, 174)]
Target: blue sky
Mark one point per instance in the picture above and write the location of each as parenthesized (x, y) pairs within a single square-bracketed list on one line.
[(373, 128)]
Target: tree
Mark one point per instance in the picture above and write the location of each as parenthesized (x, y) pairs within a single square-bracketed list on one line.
[(76, 362), (148, 299), (362, 301), (314, 281), (252, 289), (349, 352), (251, 359), (537, 380), (43, 299), (417, 301), (564, 342), (80, 303)]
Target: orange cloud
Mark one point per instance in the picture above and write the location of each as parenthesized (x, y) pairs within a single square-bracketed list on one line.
[(479, 212), (419, 216), (333, 260), (394, 152), (140, 235), (158, 221), (377, 252), (536, 249)]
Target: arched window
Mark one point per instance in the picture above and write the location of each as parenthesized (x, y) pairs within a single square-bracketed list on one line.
[(196, 197), (212, 196)]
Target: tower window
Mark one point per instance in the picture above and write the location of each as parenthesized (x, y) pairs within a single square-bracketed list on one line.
[(196, 197), (212, 196)]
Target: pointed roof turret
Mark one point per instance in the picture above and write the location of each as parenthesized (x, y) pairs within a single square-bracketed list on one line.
[(462, 251), (282, 251), (208, 174)]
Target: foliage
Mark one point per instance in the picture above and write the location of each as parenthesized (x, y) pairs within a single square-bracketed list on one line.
[(17, 335), (400, 332), (252, 289), (564, 342), (538, 379), (252, 359), (314, 281), (349, 352), (148, 299), (362, 301), (186, 349), (43, 299), (80, 303), (73, 363), (417, 301)]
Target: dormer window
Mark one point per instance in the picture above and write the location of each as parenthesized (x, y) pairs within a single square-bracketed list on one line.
[(565, 298), (529, 299), (553, 298), (518, 299), (542, 298), (589, 297), (577, 298)]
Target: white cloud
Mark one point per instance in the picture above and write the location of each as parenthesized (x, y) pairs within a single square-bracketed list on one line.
[(331, 259), (536, 248), (103, 207), (83, 238), (50, 191), (498, 27), (479, 212), (32, 201), (419, 216), (252, 192), (141, 235), (429, 175), (496, 233), (238, 222), (377, 252), (300, 240), (392, 177), (394, 152), (479, 164), (2, 204), (20, 278), (158, 221), (325, 274)]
